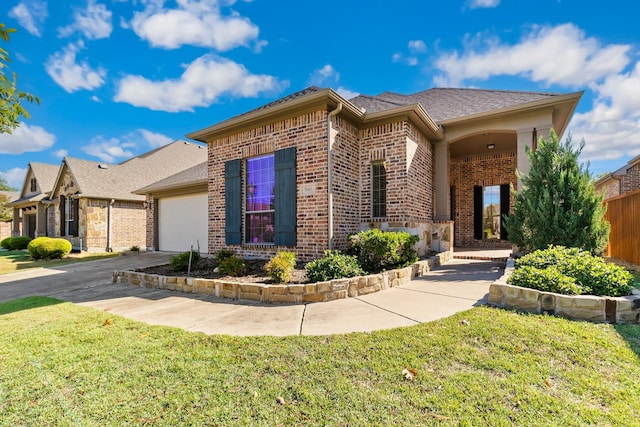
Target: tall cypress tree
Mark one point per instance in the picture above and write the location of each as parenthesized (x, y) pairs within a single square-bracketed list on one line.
[(558, 204)]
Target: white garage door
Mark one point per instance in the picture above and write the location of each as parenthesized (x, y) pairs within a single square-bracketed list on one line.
[(182, 222)]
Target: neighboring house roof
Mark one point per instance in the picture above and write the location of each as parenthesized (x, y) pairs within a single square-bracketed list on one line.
[(617, 173), (108, 181), (431, 109), (45, 175), (11, 195), (193, 176)]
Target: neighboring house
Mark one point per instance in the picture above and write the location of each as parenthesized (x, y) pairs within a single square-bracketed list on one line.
[(93, 203), (624, 180), (6, 213), (177, 213), (30, 209), (306, 171)]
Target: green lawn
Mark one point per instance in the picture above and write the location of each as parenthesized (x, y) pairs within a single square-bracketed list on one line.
[(63, 364), (12, 261)]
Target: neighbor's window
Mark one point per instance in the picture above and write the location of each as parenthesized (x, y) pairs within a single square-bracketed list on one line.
[(378, 190), (259, 199), (491, 212), (33, 185)]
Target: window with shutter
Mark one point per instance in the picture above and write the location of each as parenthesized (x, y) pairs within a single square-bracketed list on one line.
[(285, 197), (233, 201)]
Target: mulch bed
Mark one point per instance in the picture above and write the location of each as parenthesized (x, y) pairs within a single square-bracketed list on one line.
[(205, 269)]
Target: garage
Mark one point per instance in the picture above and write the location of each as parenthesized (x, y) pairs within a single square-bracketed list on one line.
[(182, 222)]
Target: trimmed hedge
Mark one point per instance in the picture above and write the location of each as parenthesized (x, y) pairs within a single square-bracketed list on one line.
[(180, 262), (570, 271), (15, 243), (334, 265), (378, 250), (48, 247)]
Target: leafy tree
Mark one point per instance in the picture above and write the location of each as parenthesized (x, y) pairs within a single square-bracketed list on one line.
[(558, 204), (11, 97), (6, 213)]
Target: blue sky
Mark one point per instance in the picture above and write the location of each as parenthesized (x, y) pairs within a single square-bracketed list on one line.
[(117, 78)]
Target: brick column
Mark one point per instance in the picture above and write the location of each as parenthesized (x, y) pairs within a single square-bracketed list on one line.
[(16, 222), (442, 181)]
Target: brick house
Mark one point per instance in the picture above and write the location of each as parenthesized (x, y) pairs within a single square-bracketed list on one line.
[(178, 199), (6, 216), (624, 180), (91, 204), (307, 170), (30, 209)]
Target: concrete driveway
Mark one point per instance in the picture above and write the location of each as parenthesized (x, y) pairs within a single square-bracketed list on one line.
[(457, 286)]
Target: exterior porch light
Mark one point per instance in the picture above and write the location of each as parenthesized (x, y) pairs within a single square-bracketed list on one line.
[(491, 146)]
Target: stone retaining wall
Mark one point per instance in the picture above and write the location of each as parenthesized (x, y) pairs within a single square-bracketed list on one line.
[(287, 293), (579, 307)]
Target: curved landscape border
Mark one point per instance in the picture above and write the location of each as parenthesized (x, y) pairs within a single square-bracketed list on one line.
[(579, 307), (287, 293)]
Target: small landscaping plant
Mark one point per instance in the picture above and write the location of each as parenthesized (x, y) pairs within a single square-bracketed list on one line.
[(49, 248), (280, 267), (231, 265), (134, 248), (334, 265), (378, 250), (570, 271), (180, 262), (15, 243)]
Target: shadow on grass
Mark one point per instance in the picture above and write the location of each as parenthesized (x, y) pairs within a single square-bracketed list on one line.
[(27, 303), (631, 333)]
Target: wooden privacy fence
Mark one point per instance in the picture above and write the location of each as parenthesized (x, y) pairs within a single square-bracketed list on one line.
[(623, 212)]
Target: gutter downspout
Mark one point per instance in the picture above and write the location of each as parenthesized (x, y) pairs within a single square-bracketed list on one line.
[(109, 222), (330, 172)]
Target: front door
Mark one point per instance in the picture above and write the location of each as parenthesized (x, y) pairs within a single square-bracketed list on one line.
[(31, 225)]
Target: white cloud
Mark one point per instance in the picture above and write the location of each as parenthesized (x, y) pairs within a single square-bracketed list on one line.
[(15, 177), (108, 150), (94, 22), (475, 4), (155, 139), (203, 82), (417, 46), (324, 76), (198, 23), (611, 129), (26, 138), (72, 75), (346, 93), (31, 14), (60, 153), (549, 55)]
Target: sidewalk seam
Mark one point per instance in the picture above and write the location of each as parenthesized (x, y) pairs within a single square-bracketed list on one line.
[(302, 319), (387, 310)]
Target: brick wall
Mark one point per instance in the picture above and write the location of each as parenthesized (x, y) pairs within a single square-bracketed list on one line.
[(151, 229), (631, 180), (307, 132), (6, 228), (128, 225), (610, 188), (467, 172)]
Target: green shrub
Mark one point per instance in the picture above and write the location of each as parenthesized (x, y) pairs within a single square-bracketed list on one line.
[(334, 265), (6, 243), (592, 274), (180, 262), (47, 247), (231, 265), (378, 250), (544, 279), (280, 267), (135, 248), (223, 254), (15, 243)]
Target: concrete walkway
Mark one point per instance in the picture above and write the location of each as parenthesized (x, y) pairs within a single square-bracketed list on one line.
[(459, 285)]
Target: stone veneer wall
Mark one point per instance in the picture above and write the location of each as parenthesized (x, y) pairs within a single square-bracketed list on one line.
[(579, 307), (467, 172), (287, 293)]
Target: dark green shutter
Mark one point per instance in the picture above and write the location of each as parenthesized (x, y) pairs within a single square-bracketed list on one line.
[(75, 208), (285, 197), (477, 212), (505, 193), (233, 201), (62, 216)]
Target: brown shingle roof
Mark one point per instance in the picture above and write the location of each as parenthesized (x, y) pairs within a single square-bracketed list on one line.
[(197, 174), (448, 103), (107, 181)]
